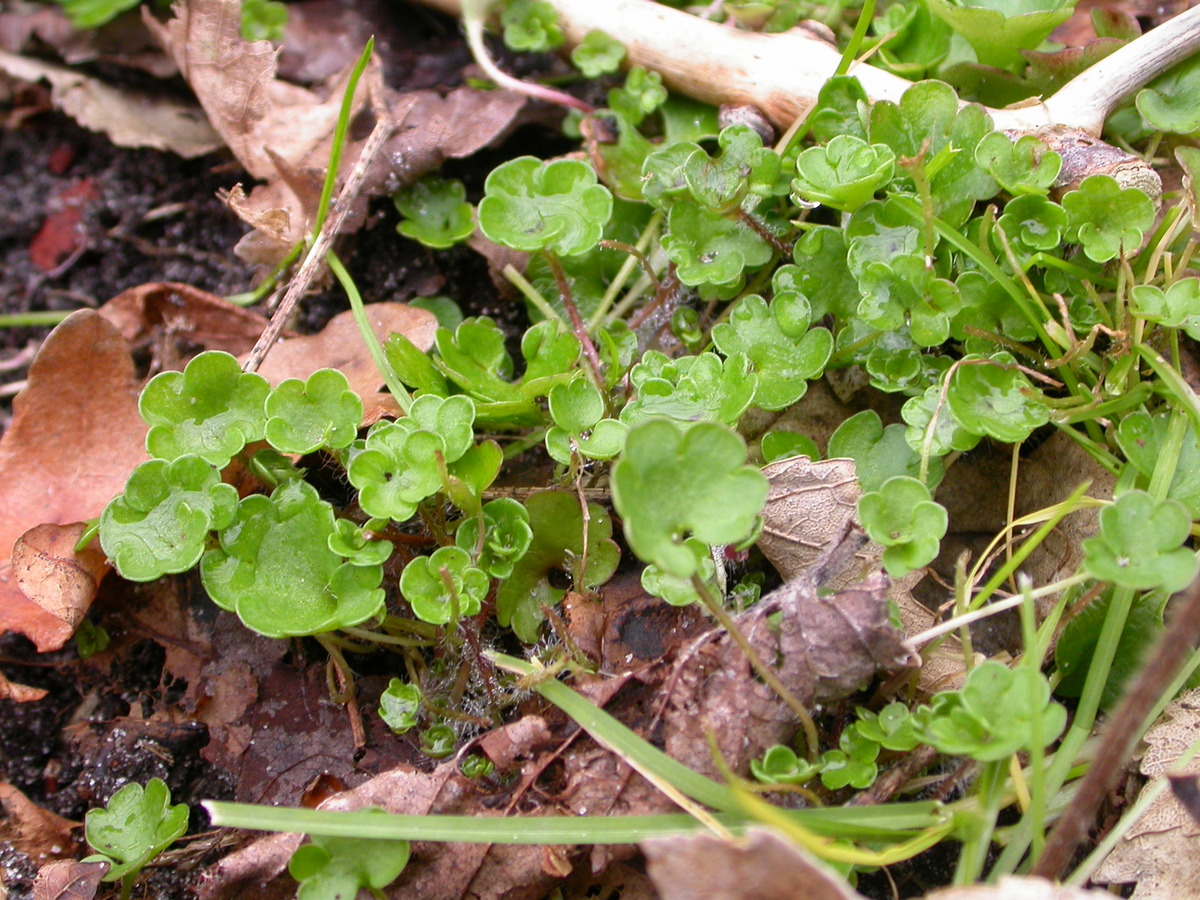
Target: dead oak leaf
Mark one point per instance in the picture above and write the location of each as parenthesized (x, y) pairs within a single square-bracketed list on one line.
[(75, 437)]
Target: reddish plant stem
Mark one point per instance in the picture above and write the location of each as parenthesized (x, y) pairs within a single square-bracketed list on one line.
[(585, 340)]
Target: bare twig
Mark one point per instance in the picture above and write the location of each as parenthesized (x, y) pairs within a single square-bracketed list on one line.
[(316, 253)]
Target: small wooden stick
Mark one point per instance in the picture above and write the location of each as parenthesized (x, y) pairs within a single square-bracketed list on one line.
[(316, 253)]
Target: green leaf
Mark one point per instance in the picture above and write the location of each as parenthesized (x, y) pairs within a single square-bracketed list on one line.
[(399, 706), (533, 205), (263, 20), (351, 541), (397, 470), (853, 765), (507, 535), (993, 716), (598, 54), (906, 291), (710, 249), (743, 166), (531, 26), (781, 765), (786, 444), (444, 587), (335, 868), (414, 367), (1034, 223), (1169, 103), (903, 518), (821, 273), (1139, 544), (949, 435), (275, 570), (439, 741), (137, 824), (879, 453), (212, 409), (998, 30), (1176, 307), (1105, 219), (845, 173), (557, 546), (842, 109), (893, 727), (577, 409), (303, 416), (916, 40), (88, 14), (160, 523), (1077, 644), (1025, 166), (435, 211), (642, 94), (1142, 439), (994, 398), (670, 485), (450, 418), (690, 389), (784, 352), (678, 590)]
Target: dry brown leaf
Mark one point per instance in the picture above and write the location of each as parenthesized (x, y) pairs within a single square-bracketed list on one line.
[(340, 346), (1160, 853), (809, 507), (19, 693), (34, 831), (177, 318), (762, 865), (1012, 887), (129, 118), (75, 437), (67, 879), (53, 575), (822, 647), (280, 132)]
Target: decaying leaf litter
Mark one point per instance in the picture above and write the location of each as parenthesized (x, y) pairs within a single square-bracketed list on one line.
[(678, 683)]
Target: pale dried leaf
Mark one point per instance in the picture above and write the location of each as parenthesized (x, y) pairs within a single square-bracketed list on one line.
[(53, 575), (81, 395), (809, 507), (1159, 854), (762, 865), (19, 693), (1012, 887), (67, 879), (130, 119)]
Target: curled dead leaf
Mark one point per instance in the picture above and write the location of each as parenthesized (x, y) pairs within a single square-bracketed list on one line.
[(53, 575), (809, 506), (19, 693)]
